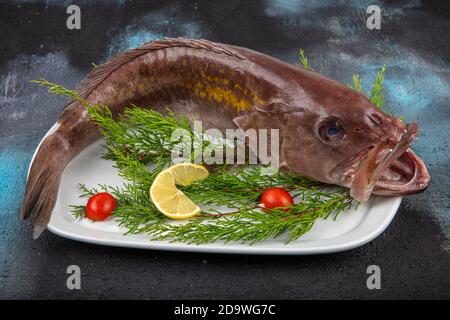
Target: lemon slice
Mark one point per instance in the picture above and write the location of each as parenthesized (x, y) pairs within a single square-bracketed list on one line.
[(164, 193)]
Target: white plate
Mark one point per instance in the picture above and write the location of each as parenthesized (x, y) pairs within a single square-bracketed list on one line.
[(352, 229)]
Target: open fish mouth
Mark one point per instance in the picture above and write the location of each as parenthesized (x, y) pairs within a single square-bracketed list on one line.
[(385, 169)]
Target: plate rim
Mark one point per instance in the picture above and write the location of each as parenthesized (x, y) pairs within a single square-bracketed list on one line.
[(224, 248)]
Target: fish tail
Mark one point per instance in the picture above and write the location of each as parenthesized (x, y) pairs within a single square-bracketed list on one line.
[(43, 182)]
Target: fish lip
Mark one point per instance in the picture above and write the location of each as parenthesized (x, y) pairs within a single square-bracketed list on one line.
[(419, 181), (344, 172), (369, 170)]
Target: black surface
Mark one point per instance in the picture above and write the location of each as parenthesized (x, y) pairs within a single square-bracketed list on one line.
[(411, 253)]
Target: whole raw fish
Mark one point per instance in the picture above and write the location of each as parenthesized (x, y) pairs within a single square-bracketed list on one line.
[(328, 132)]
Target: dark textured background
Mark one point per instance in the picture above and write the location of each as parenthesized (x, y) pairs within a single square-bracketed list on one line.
[(414, 43)]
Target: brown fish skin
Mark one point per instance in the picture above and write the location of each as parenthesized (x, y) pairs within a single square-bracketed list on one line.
[(227, 86)]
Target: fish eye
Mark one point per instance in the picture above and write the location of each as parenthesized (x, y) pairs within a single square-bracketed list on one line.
[(330, 130)]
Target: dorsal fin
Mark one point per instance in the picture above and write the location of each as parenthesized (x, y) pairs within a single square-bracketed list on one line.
[(101, 72)]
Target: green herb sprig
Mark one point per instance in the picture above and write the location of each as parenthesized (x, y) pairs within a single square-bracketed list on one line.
[(253, 225), (375, 95), (141, 137), (304, 60)]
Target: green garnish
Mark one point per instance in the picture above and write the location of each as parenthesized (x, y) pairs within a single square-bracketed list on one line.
[(357, 86), (375, 95), (142, 137), (304, 60)]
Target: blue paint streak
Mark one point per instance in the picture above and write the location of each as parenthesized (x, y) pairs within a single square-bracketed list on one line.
[(410, 86), (294, 7), (13, 171), (419, 93), (140, 38), (152, 27), (131, 40)]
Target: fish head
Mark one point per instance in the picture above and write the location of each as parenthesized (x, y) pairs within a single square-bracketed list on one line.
[(341, 138)]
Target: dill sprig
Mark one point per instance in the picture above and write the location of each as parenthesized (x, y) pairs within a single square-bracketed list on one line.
[(253, 225), (141, 137), (242, 186), (59, 90), (304, 60), (247, 224), (133, 206), (357, 86), (376, 95)]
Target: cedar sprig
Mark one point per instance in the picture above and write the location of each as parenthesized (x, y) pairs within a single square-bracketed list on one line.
[(254, 225), (304, 60), (142, 136), (376, 94), (242, 186)]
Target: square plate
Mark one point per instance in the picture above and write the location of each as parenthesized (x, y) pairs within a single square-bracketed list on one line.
[(351, 229)]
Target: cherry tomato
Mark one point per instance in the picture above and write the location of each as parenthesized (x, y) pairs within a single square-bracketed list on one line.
[(276, 198), (100, 206)]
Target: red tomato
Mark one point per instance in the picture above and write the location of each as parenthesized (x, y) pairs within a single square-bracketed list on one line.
[(100, 206), (276, 198)]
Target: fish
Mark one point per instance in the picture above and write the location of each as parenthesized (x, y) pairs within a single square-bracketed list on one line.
[(328, 132)]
